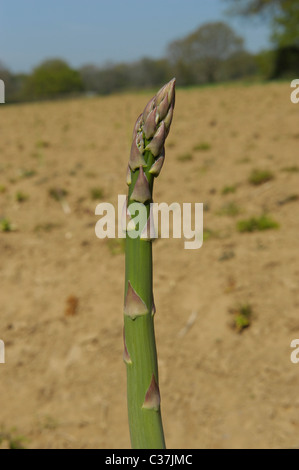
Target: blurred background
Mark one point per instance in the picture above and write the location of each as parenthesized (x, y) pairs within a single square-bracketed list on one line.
[(52, 50), (76, 77)]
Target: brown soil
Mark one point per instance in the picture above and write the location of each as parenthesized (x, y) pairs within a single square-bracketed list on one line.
[(64, 383)]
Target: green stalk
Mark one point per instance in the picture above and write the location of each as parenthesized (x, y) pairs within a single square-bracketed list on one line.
[(140, 354)]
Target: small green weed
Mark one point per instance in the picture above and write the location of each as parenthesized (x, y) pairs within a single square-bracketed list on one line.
[(291, 169), (11, 440), (242, 316), (21, 197), (229, 189), (290, 198), (202, 146), (253, 224), (258, 177), (185, 157), (42, 144), (46, 227), (96, 193), (26, 173), (226, 255), (5, 225), (58, 193), (230, 209), (208, 233)]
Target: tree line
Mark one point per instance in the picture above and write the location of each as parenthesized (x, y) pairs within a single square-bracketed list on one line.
[(212, 53)]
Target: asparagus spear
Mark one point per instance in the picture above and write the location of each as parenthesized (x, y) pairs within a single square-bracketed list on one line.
[(140, 355)]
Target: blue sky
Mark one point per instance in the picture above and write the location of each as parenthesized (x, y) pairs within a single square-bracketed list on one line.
[(98, 31)]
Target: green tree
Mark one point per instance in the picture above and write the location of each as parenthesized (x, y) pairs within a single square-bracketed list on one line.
[(204, 51), (253, 7), (90, 77), (286, 24), (7, 77), (284, 15), (283, 62), (148, 72), (239, 65), (265, 61), (113, 78), (53, 78), (144, 73), (13, 83)]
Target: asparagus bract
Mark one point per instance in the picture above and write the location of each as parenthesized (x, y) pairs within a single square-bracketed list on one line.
[(140, 355)]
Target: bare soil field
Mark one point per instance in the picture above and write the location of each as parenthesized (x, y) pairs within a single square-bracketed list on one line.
[(226, 313)]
